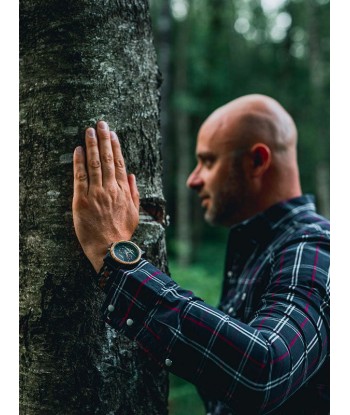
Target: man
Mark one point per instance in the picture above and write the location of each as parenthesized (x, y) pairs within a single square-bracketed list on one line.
[(265, 349)]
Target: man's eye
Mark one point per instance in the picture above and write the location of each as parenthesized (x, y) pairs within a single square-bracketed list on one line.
[(208, 163)]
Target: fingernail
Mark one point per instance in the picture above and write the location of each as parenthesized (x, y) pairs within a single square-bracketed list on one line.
[(91, 132), (79, 150), (114, 136), (103, 125)]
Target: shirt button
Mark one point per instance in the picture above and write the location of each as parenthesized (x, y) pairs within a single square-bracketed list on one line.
[(110, 308), (129, 322), (168, 362), (229, 274), (243, 296), (230, 309)]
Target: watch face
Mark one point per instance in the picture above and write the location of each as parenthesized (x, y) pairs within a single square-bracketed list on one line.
[(126, 252)]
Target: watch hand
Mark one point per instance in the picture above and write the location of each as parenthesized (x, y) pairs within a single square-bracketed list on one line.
[(129, 253)]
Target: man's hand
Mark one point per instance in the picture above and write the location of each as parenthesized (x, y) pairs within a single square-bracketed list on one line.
[(106, 199)]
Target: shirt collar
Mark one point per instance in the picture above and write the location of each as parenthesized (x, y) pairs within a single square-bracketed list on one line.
[(260, 226)]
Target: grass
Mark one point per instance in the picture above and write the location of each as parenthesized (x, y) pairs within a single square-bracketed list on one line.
[(204, 278), (183, 398)]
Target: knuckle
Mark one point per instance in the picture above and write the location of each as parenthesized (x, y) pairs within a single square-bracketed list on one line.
[(104, 134), (119, 163), (107, 158), (81, 175), (112, 190), (91, 141), (94, 163)]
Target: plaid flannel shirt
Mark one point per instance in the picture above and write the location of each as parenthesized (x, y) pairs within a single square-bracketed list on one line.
[(265, 349)]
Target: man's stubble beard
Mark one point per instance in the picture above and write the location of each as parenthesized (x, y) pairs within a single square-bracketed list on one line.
[(228, 203)]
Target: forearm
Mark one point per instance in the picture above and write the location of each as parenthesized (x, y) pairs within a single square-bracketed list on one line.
[(235, 362)]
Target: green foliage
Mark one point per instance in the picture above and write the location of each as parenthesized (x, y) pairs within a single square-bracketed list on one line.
[(183, 398), (204, 276)]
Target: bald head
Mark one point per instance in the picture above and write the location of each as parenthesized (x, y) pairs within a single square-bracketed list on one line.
[(253, 118), (257, 137)]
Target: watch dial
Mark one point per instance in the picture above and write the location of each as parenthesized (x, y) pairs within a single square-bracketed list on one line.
[(126, 252)]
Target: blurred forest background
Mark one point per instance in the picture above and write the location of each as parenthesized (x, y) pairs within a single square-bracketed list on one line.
[(210, 52)]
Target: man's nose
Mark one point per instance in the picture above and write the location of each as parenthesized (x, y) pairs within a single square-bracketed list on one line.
[(194, 180)]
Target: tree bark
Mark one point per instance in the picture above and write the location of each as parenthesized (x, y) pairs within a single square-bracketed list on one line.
[(81, 61)]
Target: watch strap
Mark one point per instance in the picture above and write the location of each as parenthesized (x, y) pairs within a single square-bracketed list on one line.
[(110, 266)]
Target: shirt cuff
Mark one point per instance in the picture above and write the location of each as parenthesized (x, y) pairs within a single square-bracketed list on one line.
[(139, 306)]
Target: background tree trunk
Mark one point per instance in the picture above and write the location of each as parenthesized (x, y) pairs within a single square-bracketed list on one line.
[(183, 145), (81, 61), (318, 76)]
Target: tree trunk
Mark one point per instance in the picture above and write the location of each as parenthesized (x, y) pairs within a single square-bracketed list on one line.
[(183, 147), (81, 61), (319, 98)]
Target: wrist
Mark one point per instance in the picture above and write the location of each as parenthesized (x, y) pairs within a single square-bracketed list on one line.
[(96, 256), (121, 255)]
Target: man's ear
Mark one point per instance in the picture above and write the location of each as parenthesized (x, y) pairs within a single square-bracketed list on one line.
[(260, 159)]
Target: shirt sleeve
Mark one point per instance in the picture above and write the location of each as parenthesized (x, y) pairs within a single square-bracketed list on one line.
[(252, 367)]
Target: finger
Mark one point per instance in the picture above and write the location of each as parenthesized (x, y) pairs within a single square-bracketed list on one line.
[(119, 165), (134, 190), (106, 153), (93, 158), (80, 174)]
